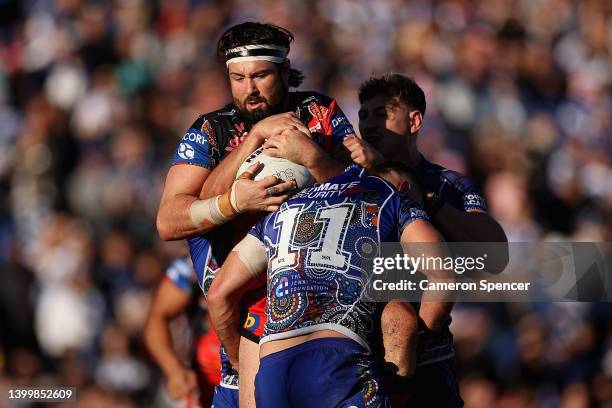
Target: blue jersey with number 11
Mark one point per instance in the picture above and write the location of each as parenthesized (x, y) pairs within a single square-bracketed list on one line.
[(318, 244)]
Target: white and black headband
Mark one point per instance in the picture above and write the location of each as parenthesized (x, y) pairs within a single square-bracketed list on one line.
[(256, 52)]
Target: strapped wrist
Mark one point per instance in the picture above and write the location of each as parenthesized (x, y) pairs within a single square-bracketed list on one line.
[(227, 203), (212, 212)]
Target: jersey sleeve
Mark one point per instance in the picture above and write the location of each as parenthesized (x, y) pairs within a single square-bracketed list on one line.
[(408, 212), (195, 146), (327, 121), (463, 194), (337, 124), (181, 274), (258, 230)]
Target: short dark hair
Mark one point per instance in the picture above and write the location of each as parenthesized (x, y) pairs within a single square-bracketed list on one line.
[(251, 33), (397, 166), (394, 85)]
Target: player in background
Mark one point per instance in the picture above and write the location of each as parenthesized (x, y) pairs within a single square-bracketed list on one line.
[(316, 348), (390, 118), (176, 294), (200, 196)]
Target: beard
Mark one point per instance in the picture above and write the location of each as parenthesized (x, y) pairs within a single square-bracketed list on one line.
[(269, 107)]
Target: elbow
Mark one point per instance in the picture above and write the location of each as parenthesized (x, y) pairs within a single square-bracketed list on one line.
[(164, 229), (214, 299)]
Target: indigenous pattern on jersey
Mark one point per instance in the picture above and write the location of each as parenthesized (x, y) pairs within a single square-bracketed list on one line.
[(211, 138), (319, 244), (458, 191)]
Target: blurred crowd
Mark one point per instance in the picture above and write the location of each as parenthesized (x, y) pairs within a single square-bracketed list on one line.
[(95, 95)]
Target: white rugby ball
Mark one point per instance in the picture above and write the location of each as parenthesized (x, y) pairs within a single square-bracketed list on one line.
[(275, 166)]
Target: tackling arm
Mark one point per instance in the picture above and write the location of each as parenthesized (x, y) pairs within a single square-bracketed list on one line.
[(243, 270), (399, 321), (182, 213), (427, 241)]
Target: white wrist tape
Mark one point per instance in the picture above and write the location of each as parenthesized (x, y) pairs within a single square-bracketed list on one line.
[(233, 200), (252, 253), (202, 211)]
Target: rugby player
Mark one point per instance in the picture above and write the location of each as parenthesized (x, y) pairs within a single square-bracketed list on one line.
[(200, 195), (390, 118), (316, 347), (177, 294)]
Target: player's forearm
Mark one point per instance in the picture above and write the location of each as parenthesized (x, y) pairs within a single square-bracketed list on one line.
[(434, 315), (193, 216), (321, 166), (225, 318), (222, 177), (399, 331), (436, 305), (159, 343), (174, 220)]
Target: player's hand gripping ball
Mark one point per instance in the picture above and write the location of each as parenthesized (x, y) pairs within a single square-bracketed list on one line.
[(283, 169)]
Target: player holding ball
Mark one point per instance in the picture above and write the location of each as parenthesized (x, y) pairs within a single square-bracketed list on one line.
[(201, 195)]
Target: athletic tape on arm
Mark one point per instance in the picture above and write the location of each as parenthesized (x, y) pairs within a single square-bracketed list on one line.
[(252, 253), (211, 212), (206, 213)]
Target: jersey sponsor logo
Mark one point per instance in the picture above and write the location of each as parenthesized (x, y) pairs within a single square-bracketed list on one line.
[(418, 213), (186, 151), (338, 120), (473, 200), (282, 289), (252, 322), (326, 190), (194, 135)]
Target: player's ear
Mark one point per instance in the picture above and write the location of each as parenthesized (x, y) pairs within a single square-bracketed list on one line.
[(416, 120)]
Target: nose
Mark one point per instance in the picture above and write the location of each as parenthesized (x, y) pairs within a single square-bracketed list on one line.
[(252, 87)]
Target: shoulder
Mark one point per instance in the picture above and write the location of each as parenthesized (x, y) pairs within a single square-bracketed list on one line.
[(452, 178), (224, 113), (457, 180), (309, 97)]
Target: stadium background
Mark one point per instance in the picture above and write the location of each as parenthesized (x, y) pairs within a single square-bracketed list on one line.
[(95, 95)]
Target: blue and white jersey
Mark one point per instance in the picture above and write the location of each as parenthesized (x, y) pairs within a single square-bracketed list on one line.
[(318, 246), (452, 187), (180, 273)]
